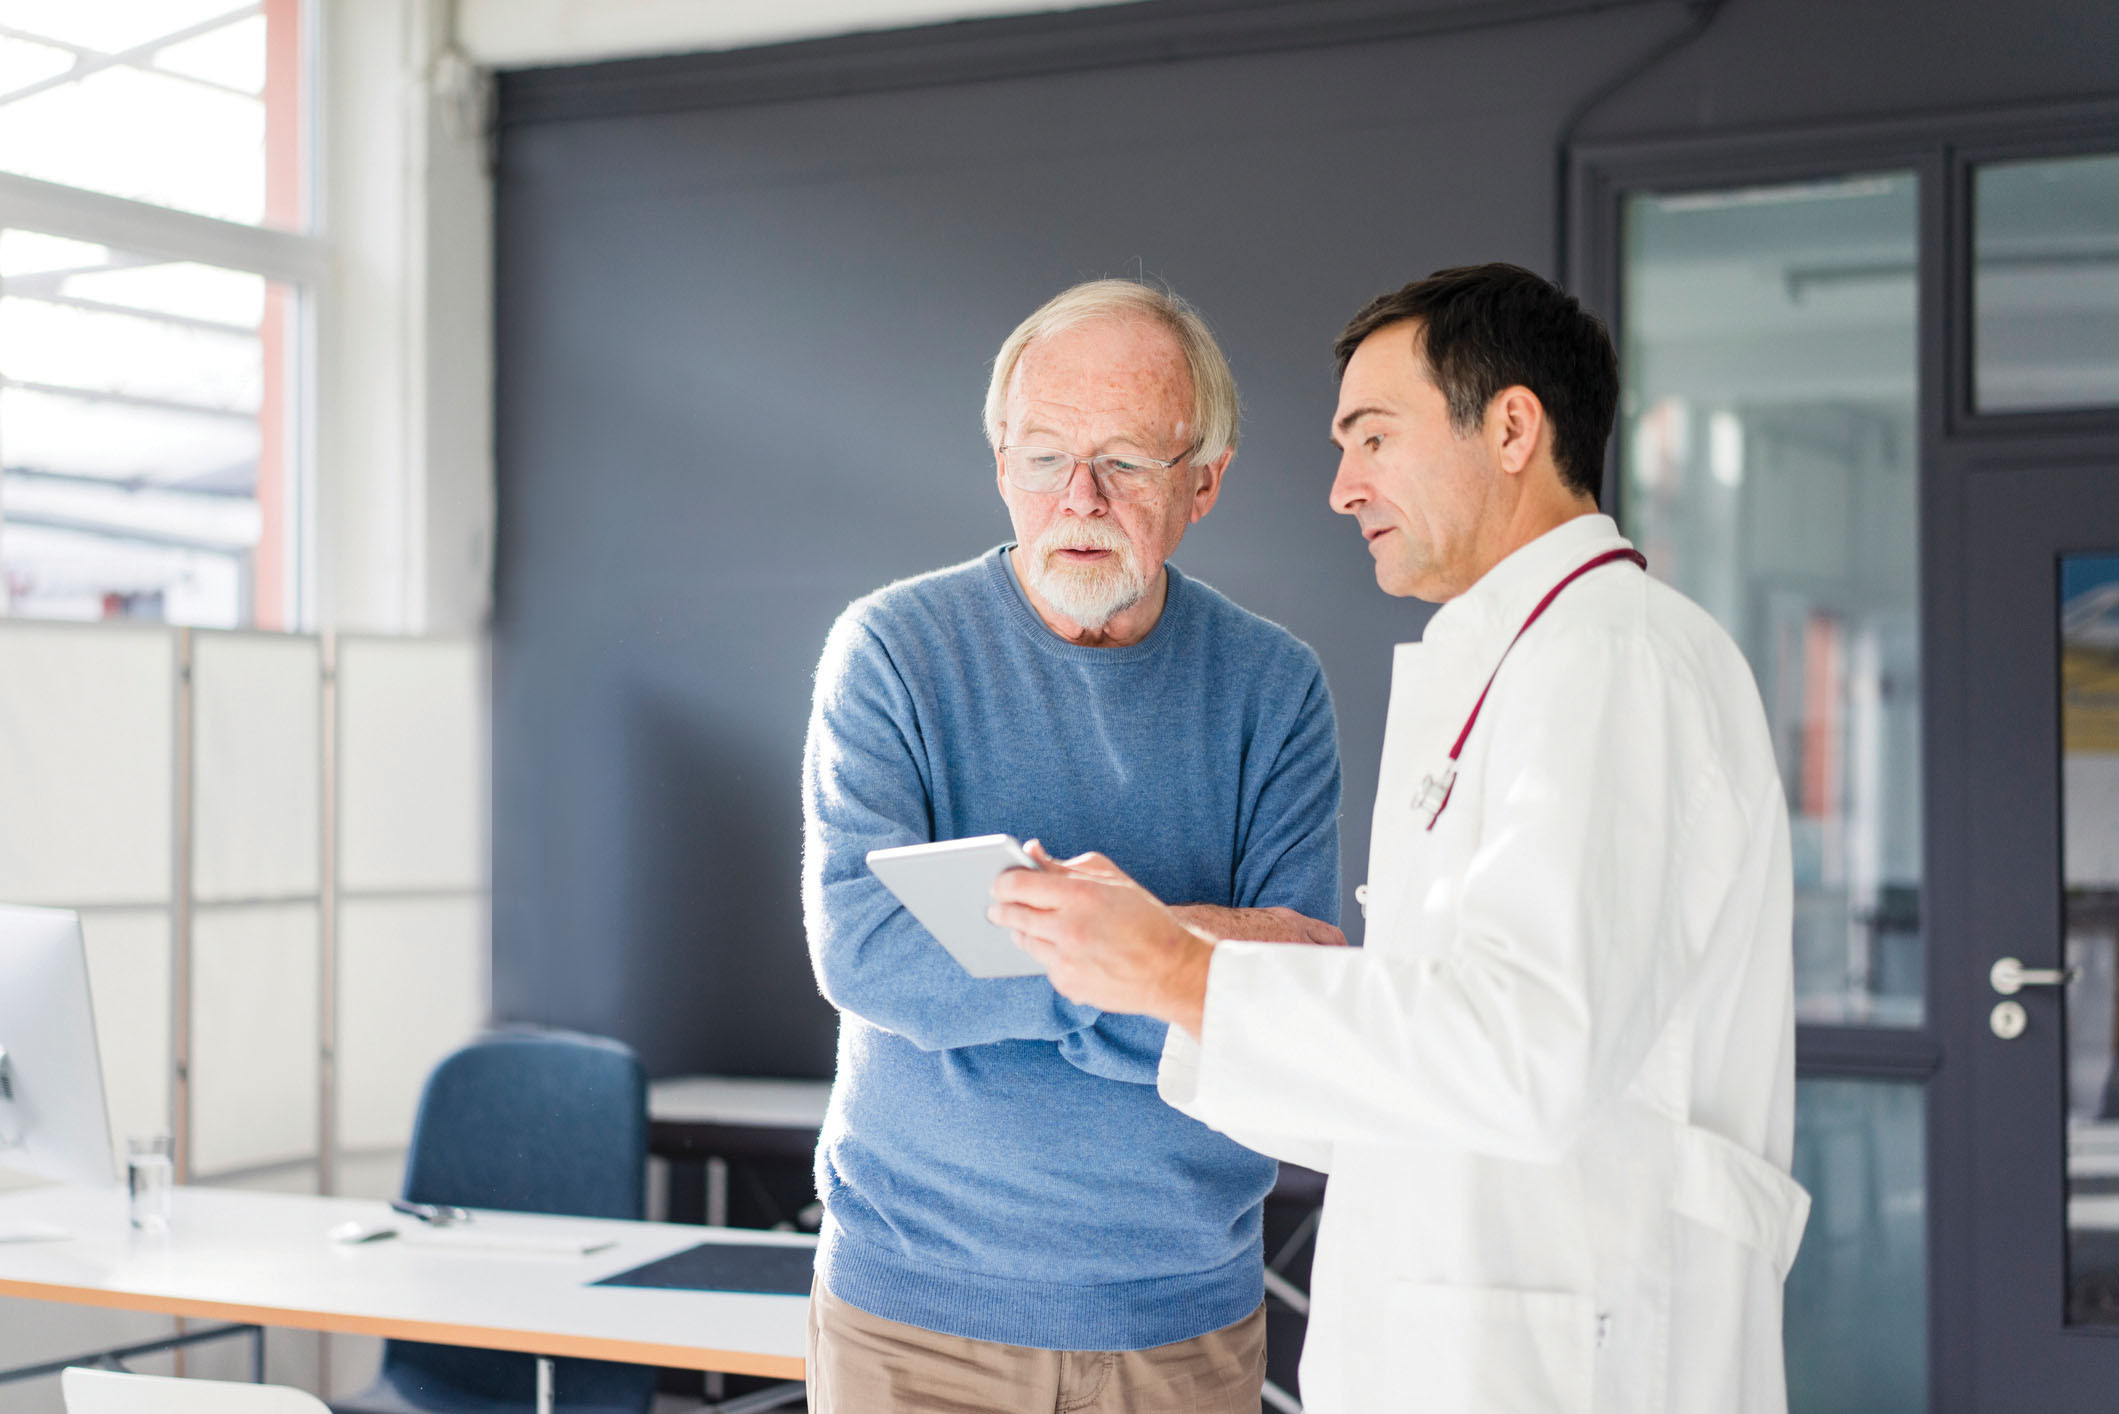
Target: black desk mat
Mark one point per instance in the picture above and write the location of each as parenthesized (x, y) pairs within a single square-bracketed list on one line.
[(766, 1269)]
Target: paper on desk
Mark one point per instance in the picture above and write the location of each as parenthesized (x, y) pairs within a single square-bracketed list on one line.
[(475, 1239), (32, 1232)]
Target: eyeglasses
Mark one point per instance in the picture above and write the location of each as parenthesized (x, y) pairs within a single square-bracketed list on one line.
[(1120, 476)]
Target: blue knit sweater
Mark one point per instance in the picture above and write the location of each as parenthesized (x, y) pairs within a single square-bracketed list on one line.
[(996, 1163)]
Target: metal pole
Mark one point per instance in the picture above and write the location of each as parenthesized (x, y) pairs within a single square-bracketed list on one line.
[(180, 913), (717, 1192), (114, 1359), (544, 1385), (716, 1384), (327, 945), (180, 906), (327, 919)]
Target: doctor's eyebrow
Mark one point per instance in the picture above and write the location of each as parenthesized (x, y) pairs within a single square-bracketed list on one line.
[(1340, 427)]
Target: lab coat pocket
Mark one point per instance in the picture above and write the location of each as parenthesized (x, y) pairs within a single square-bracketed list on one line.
[(1475, 1349)]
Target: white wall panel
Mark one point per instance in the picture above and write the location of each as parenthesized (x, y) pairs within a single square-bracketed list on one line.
[(254, 1000), (412, 764), (412, 986), (255, 765), (86, 763), (129, 977)]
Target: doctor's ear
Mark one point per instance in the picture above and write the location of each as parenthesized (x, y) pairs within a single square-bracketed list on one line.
[(1515, 428)]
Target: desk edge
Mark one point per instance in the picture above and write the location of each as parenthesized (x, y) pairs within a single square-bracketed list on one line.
[(679, 1357)]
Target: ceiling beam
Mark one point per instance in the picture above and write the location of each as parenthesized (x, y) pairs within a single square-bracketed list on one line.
[(971, 51)]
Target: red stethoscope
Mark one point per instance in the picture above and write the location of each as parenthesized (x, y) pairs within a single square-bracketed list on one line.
[(1433, 796)]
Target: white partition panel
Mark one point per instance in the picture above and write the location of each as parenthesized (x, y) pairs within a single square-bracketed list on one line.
[(86, 763), (412, 764), (255, 714), (254, 1069), (412, 984), (129, 975)]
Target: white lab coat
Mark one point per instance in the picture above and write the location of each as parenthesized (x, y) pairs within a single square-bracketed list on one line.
[(1555, 1091)]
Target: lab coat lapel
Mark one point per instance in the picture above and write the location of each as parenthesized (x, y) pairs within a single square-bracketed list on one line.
[(1433, 685)]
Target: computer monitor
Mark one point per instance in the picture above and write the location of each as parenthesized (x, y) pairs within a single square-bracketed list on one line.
[(52, 1121)]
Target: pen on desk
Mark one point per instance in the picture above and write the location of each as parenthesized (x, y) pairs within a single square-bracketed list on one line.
[(432, 1214)]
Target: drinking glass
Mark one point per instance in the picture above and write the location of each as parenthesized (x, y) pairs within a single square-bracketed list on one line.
[(150, 1177)]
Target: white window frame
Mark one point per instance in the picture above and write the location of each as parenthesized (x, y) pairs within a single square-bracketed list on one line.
[(300, 261)]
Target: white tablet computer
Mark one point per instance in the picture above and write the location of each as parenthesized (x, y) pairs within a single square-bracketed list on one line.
[(948, 886)]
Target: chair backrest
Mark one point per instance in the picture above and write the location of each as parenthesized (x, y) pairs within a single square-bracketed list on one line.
[(108, 1392), (531, 1122), (534, 1122)]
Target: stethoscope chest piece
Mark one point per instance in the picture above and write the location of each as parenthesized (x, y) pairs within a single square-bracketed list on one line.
[(1434, 794)]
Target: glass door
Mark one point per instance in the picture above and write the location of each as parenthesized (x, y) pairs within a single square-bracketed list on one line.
[(2089, 882), (1870, 420), (2036, 462), (2041, 802)]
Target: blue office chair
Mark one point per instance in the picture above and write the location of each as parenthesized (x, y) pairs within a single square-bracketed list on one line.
[(530, 1122)]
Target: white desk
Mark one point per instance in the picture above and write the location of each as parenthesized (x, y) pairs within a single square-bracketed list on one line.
[(262, 1259)]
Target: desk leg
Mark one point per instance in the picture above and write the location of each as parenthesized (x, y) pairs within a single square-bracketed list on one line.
[(686, 1195), (717, 1192), (544, 1385)]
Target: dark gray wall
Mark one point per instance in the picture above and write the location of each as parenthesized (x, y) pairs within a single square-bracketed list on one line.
[(741, 351)]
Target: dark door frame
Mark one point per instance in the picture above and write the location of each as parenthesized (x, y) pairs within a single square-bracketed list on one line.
[(1955, 443)]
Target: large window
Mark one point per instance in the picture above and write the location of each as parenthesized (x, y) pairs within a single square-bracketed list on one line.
[(154, 289), (190, 104), (1771, 471), (1770, 468), (2045, 284)]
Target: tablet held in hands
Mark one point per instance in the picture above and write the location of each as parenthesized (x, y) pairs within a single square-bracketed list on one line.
[(948, 886)]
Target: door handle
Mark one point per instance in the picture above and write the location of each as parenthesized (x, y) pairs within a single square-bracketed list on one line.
[(2010, 976)]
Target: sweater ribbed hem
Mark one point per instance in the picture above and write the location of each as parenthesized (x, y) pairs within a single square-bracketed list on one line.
[(1119, 1315)]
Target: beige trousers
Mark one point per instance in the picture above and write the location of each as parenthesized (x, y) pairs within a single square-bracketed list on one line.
[(863, 1364)]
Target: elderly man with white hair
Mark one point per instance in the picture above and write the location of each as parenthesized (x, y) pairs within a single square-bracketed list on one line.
[(1014, 1220)]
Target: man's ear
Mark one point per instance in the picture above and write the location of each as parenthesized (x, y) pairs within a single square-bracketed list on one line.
[(1208, 488), (1515, 428)]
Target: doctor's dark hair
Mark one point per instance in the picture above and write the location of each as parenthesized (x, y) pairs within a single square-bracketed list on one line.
[(1483, 328)]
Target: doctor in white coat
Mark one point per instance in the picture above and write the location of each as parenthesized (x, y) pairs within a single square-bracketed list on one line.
[(1555, 1089)]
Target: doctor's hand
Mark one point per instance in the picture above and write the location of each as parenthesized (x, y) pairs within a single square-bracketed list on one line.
[(1105, 941)]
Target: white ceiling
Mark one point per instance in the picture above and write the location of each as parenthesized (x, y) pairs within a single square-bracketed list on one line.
[(521, 33)]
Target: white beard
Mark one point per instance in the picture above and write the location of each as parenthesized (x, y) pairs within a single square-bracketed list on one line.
[(1090, 595)]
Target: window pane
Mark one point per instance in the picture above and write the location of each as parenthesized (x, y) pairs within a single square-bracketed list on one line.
[(144, 408), (193, 104), (2045, 285), (1857, 1296), (1770, 471)]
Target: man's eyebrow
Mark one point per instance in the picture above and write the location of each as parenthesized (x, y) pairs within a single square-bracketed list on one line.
[(1349, 419)]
